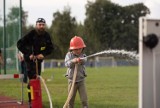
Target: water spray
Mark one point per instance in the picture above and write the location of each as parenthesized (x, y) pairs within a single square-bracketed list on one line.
[(123, 52)]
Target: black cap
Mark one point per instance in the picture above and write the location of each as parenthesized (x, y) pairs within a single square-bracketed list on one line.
[(42, 20)]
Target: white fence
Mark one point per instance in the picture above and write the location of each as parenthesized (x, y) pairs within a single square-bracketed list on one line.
[(94, 62)]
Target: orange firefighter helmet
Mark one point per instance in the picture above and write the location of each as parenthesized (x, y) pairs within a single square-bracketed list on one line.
[(76, 43)]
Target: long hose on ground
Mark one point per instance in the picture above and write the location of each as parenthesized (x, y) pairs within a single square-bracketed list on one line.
[(49, 96), (72, 87)]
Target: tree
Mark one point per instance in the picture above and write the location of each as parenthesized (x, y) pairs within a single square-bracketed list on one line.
[(63, 28), (1, 36), (13, 26), (130, 17), (1, 31), (110, 26), (99, 17)]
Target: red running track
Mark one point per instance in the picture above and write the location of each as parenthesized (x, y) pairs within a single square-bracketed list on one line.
[(5, 103)]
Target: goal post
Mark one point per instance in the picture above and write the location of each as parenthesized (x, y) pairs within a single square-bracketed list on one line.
[(94, 62), (105, 61)]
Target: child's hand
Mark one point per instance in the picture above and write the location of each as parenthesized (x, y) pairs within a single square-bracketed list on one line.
[(76, 60), (79, 60)]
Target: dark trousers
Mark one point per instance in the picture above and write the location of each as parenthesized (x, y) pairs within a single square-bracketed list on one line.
[(31, 69), (24, 71)]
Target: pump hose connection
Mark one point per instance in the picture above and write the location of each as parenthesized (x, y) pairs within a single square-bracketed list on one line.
[(45, 86)]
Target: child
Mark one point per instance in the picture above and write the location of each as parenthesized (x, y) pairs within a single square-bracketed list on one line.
[(74, 56)]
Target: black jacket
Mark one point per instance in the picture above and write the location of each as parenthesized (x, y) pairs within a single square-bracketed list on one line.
[(33, 43)]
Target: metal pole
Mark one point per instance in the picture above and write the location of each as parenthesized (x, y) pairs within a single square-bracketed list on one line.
[(4, 34), (20, 33)]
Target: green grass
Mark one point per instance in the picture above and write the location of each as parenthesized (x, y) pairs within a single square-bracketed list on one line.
[(106, 87)]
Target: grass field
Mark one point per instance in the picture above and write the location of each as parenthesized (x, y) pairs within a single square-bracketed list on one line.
[(106, 87)]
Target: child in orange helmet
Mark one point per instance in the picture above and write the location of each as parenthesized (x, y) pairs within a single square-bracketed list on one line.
[(73, 57)]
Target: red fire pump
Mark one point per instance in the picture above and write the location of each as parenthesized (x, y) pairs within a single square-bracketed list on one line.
[(36, 94)]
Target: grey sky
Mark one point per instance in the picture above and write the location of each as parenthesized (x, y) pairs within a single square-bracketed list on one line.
[(46, 8)]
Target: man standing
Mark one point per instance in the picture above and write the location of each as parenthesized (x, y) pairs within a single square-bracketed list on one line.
[(35, 46)]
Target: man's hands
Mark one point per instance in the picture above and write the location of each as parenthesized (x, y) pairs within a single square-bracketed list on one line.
[(39, 56)]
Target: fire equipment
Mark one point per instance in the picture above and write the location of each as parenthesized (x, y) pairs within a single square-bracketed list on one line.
[(76, 43), (35, 88)]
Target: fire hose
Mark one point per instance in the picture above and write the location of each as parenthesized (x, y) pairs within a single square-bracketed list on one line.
[(49, 96), (72, 87)]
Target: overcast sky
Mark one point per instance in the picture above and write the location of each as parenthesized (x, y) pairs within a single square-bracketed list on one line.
[(46, 8)]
